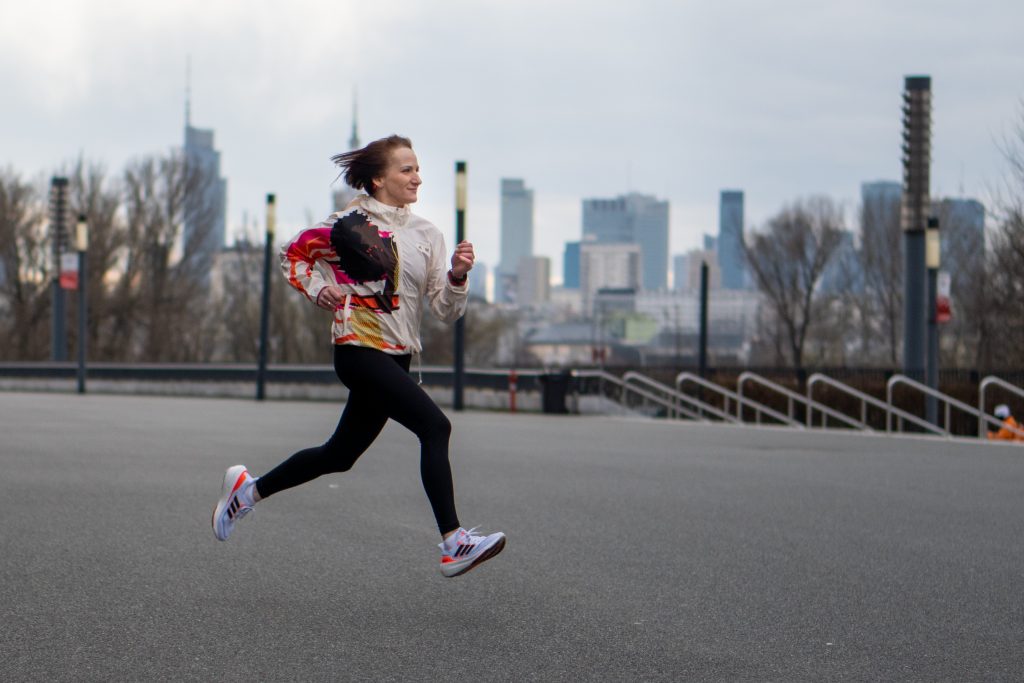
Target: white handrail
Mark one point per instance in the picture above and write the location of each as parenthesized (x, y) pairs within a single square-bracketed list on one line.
[(696, 403), (865, 399), (808, 402), (621, 383), (741, 401), (925, 389)]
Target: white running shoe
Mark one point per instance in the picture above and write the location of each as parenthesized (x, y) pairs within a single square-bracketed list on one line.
[(462, 551), (231, 507)]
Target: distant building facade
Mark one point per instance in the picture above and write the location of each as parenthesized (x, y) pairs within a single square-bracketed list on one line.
[(205, 211), (731, 260), (687, 267), (571, 266), (478, 281), (608, 266), (533, 281), (516, 236), (633, 219), (881, 191)]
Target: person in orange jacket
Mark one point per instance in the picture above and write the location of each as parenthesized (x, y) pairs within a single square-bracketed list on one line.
[(1007, 431)]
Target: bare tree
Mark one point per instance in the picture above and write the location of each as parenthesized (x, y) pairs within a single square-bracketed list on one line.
[(1004, 326), (881, 260), (25, 271), (788, 260), (97, 197), (963, 257), (161, 308)]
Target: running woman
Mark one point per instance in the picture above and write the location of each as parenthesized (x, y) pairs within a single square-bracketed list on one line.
[(372, 265)]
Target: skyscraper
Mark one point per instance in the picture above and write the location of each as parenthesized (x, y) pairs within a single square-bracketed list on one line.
[(731, 261), (881, 190), (205, 208), (516, 235), (571, 266), (633, 219), (344, 194)]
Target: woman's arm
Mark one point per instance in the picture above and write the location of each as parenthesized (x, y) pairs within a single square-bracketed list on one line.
[(299, 258), (446, 296)]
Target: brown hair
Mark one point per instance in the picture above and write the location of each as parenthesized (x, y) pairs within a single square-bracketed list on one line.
[(361, 166)]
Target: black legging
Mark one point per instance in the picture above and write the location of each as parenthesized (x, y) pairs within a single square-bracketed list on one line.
[(379, 388)]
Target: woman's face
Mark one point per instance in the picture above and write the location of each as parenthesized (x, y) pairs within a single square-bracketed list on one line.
[(401, 180)]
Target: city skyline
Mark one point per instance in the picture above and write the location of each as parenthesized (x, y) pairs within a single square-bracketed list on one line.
[(790, 101)]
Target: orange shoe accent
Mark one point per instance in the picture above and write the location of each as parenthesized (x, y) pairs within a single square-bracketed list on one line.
[(241, 480), (446, 559)]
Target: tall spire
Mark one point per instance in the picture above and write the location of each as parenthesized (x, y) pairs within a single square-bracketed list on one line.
[(188, 91), (353, 142)]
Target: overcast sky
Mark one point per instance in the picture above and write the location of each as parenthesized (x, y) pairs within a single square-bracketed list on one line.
[(581, 98)]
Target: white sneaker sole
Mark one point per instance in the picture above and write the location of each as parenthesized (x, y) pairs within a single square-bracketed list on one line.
[(460, 567), (233, 479)]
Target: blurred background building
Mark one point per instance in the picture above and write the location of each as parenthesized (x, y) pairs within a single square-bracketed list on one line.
[(516, 236)]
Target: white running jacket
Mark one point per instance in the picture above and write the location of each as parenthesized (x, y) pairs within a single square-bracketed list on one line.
[(387, 261)]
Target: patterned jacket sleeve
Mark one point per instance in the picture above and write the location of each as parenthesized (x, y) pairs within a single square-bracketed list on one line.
[(301, 257), (447, 301)]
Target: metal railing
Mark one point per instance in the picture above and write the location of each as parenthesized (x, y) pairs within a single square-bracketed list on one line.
[(1002, 384), (678, 398), (601, 377), (865, 401), (947, 401), (791, 396), (625, 389), (741, 401)]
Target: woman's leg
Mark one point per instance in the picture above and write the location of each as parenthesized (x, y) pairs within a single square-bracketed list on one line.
[(379, 388), (387, 378), (361, 422)]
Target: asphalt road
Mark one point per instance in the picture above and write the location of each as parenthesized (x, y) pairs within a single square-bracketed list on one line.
[(638, 550)]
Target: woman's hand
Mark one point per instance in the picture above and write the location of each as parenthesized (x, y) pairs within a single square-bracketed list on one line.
[(462, 259), (329, 298)]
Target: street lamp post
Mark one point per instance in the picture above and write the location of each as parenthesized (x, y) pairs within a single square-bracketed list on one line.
[(261, 365), (917, 121), (702, 351), (933, 254), (82, 245), (460, 324), (58, 239)]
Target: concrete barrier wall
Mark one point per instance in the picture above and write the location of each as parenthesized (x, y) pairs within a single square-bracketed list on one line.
[(478, 399)]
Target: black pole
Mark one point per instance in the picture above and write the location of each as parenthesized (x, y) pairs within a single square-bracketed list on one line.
[(460, 324), (913, 218), (934, 250), (261, 370), (83, 310), (59, 343), (59, 236), (914, 304), (703, 350)]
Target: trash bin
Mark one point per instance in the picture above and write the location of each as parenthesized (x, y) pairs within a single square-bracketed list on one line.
[(554, 388)]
